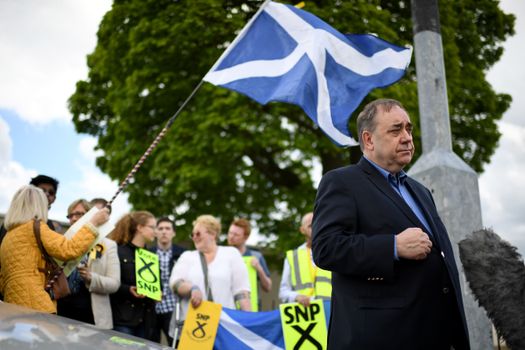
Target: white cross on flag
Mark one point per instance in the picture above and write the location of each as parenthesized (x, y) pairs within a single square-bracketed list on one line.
[(289, 55)]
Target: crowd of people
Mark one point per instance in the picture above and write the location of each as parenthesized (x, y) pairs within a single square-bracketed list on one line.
[(103, 286), (375, 246)]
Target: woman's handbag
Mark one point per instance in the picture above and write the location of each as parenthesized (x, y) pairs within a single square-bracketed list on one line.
[(56, 280)]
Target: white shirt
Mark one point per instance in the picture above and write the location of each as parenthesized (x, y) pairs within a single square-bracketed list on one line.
[(286, 293), (227, 276)]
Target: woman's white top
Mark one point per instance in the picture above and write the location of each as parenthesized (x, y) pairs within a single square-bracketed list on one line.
[(227, 276)]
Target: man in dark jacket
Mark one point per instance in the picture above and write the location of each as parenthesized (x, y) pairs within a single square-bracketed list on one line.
[(168, 254), (395, 283)]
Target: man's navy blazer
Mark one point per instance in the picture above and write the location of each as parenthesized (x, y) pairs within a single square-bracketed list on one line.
[(379, 302)]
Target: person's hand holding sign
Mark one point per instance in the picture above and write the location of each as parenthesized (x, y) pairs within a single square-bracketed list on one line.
[(100, 217), (195, 296), (84, 273), (303, 300), (133, 291)]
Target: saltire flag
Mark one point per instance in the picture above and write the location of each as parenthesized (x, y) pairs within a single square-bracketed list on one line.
[(241, 330), (289, 55)]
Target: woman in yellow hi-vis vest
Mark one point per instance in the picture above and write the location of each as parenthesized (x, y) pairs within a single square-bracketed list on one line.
[(301, 279)]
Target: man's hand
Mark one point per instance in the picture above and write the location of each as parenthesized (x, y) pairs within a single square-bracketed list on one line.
[(413, 244), (303, 300)]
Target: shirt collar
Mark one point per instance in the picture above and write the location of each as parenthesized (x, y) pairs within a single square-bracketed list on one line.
[(396, 178)]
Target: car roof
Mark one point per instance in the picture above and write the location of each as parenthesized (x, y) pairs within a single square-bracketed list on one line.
[(23, 328)]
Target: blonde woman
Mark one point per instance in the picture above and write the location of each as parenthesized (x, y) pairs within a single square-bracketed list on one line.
[(227, 275), (22, 266), (133, 313)]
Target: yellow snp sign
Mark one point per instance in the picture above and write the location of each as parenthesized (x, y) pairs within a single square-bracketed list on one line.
[(147, 274), (200, 327), (304, 328)]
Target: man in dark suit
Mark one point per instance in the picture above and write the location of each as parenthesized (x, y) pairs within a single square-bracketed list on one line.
[(395, 283)]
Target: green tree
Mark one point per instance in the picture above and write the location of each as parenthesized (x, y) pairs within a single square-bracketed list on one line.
[(227, 155)]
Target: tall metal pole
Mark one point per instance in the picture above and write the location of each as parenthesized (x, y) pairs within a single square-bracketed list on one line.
[(453, 183)]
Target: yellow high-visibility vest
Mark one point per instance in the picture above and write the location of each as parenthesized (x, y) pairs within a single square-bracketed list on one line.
[(252, 277), (307, 279)]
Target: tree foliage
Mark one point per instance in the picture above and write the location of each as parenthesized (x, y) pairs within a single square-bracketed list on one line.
[(227, 155)]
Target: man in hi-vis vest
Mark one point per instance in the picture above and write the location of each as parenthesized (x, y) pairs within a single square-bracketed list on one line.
[(258, 272), (302, 281)]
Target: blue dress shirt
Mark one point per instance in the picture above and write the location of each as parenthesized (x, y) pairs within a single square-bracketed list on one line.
[(397, 182)]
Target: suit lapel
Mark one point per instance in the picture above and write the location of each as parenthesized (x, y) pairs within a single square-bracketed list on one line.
[(382, 184), (424, 205)]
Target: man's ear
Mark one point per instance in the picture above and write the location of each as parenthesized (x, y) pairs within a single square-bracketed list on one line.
[(368, 144)]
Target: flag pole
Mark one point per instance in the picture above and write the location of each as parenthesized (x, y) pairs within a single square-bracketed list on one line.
[(153, 145), (164, 130)]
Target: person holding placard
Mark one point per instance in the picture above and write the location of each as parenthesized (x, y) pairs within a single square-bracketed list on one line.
[(22, 266), (133, 313), (303, 281), (210, 272), (168, 254), (91, 283)]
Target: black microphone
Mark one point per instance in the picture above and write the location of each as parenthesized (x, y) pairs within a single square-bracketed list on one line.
[(496, 275)]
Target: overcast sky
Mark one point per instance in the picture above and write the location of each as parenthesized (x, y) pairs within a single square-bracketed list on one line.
[(43, 48)]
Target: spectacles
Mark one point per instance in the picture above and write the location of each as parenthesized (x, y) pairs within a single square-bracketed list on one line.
[(75, 214), (195, 234)]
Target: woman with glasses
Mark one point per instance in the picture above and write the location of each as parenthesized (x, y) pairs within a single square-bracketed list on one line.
[(97, 276), (22, 266), (224, 279), (133, 313)]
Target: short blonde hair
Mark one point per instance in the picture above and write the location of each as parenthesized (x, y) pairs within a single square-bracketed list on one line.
[(212, 224), (85, 204), (28, 203)]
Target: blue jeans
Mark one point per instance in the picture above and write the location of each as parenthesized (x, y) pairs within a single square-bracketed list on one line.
[(137, 331)]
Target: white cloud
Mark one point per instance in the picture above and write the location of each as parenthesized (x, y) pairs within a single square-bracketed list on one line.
[(87, 148), (508, 75), (12, 173), (44, 46), (5, 142), (502, 188), (39, 71)]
